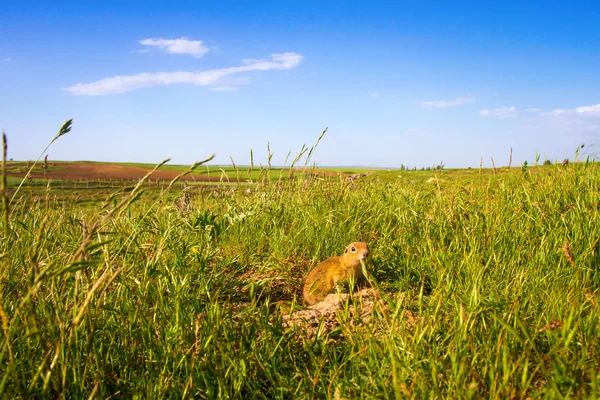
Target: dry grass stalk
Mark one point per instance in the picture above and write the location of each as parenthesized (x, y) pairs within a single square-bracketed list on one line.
[(4, 319), (567, 253), (551, 326), (77, 319), (4, 181), (542, 214), (184, 203)]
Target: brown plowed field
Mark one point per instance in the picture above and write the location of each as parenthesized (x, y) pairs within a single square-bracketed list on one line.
[(75, 171), (81, 171)]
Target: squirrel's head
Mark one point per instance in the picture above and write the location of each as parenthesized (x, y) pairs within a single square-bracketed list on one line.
[(360, 250)]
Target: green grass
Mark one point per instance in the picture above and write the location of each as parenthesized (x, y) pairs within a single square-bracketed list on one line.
[(137, 298), (21, 168)]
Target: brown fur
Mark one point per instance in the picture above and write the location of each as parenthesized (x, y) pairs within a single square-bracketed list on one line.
[(326, 274)]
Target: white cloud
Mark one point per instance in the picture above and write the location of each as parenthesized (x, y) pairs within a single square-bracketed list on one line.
[(583, 111), (502, 112), (580, 119), (533, 110), (178, 46), (374, 95), (459, 101), (593, 110), (122, 84), (223, 88)]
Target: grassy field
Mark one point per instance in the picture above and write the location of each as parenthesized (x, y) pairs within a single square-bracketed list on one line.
[(158, 295)]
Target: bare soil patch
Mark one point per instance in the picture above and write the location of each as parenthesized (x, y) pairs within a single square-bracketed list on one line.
[(324, 316), (76, 171)]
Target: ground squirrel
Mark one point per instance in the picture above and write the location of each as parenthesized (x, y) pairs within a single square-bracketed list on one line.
[(326, 274)]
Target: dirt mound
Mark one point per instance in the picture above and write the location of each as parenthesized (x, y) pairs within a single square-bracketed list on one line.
[(325, 314)]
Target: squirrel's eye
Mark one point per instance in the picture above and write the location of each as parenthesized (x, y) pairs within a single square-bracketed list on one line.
[(353, 249)]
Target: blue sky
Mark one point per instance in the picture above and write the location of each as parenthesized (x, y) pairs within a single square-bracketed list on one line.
[(411, 83)]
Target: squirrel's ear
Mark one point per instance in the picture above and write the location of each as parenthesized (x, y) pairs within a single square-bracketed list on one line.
[(346, 250)]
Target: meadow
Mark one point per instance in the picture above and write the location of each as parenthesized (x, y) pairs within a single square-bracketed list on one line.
[(152, 293)]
